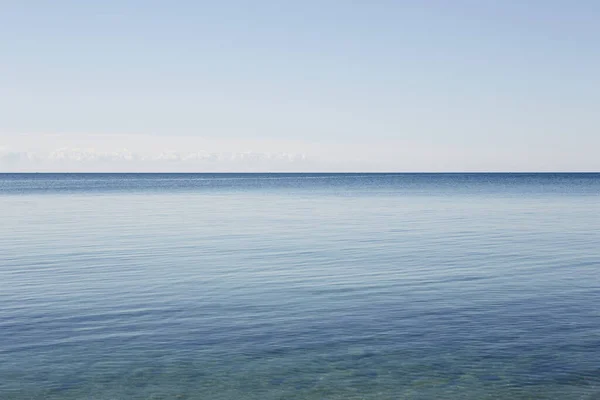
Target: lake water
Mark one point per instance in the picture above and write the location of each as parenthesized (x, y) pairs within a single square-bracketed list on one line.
[(299, 286)]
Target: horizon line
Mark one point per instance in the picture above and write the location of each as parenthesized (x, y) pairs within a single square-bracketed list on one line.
[(291, 173)]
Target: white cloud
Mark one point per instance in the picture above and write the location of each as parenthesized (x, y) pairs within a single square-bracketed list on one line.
[(76, 159), (149, 153)]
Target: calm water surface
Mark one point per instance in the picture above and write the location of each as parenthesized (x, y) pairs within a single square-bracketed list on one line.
[(306, 286)]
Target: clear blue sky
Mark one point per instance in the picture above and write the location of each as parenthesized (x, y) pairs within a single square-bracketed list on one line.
[(421, 85)]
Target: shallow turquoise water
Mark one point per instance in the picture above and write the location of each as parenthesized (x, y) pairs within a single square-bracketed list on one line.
[(300, 286)]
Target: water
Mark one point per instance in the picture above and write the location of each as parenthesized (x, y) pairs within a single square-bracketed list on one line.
[(306, 286)]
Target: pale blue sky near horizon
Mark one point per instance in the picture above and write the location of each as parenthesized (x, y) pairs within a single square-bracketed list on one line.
[(462, 85)]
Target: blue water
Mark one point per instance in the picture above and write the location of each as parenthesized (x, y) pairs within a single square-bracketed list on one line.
[(300, 286)]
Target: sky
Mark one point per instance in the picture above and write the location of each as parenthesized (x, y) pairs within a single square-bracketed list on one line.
[(232, 85)]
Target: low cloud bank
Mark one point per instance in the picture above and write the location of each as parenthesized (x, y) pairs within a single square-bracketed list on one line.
[(84, 160)]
